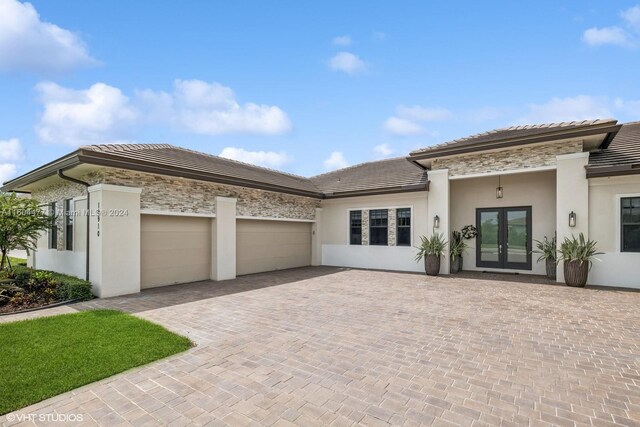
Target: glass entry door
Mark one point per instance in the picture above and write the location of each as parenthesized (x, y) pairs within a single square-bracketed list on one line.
[(504, 238)]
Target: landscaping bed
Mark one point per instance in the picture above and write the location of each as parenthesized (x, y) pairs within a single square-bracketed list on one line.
[(24, 288), (50, 355)]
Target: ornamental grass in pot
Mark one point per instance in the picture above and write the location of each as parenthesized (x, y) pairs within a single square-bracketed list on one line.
[(456, 249), (578, 255), (548, 250), (431, 249)]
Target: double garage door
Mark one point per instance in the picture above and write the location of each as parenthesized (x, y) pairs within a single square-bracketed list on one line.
[(176, 249)]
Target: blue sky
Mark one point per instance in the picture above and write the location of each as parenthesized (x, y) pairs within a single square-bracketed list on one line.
[(304, 87)]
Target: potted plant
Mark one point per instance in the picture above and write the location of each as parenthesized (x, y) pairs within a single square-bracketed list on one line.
[(431, 249), (456, 249), (548, 252), (578, 255)]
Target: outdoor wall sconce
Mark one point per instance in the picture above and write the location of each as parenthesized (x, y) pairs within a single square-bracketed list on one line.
[(436, 221), (499, 193), (572, 219)]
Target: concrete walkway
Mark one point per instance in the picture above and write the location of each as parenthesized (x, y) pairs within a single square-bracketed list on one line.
[(325, 346)]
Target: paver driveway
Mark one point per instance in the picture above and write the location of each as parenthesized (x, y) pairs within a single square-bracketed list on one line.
[(324, 346)]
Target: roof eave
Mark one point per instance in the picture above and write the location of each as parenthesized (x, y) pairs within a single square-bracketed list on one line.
[(45, 171), (613, 170), (378, 191), (609, 129)]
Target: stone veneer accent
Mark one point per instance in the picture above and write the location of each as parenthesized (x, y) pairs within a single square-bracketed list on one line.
[(365, 226), (513, 158), (166, 193), (59, 193), (391, 231)]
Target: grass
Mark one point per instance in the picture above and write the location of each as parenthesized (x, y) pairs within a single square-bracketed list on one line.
[(17, 261), (47, 356)]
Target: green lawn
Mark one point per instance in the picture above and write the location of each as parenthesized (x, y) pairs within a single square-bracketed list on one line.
[(48, 356), (16, 261)]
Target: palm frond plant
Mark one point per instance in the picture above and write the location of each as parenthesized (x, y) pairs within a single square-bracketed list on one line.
[(431, 249), (548, 250), (578, 255), (456, 249)]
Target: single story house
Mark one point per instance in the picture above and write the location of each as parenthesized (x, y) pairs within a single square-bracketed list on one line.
[(138, 216)]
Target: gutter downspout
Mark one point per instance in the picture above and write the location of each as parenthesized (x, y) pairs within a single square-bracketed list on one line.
[(87, 185)]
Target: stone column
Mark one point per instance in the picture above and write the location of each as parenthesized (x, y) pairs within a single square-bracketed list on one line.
[(114, 253), (572, 195), (438, 205), (223, 249), (316, 239)]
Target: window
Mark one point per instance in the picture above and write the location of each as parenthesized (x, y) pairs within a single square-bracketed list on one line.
[(378, 222), (53, 229), (630, 224), (355, 228), (68, 224), (403, 226)]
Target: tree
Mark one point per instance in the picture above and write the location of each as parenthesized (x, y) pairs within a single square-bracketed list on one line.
[(22, 220)]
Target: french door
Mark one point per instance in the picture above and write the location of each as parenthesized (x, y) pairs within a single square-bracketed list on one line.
[(504, 238)]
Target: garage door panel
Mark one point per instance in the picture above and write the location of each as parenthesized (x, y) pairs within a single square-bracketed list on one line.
[(272, 245), (174, 249)]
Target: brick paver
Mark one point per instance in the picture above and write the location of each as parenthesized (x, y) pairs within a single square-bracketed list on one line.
[(325, 346)]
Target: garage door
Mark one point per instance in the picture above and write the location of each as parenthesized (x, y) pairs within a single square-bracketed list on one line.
[(174, 249), (272, 245)]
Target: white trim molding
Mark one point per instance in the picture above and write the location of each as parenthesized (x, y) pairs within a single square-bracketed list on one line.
[(573, 155), (504, 172), (110, 187), (171, 213), (269, 218)]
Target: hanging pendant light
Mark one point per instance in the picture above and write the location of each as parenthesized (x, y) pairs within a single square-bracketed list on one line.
[(499, 192)]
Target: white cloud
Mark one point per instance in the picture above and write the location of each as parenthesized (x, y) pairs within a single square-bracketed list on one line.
[(261, 158), (580, 107), (342, 41), (402, 127), (100, 114), (630, 108), (607, 35), (7, 171), (28, 43), (631, 17), (383, 150), (408, 120), (212, 109), (335, 161), (347, 62), (421, 114), (11, 150)]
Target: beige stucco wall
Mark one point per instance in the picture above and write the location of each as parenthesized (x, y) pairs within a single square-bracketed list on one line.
[(536, 189), (335, 232), (534, 156), (614, 268)]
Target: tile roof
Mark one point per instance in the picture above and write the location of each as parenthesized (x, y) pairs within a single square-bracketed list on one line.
[(193, 161), (623, 150), (380, 175), (513, 133)]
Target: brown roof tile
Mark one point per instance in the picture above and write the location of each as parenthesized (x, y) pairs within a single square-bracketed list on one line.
[(511, 133), (623, 152), (380, 175)]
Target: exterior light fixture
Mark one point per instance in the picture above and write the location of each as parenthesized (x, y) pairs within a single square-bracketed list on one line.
[(499, 192), (436, 221), (572, 219)]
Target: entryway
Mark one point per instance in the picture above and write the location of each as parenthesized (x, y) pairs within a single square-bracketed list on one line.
[(504, 238)]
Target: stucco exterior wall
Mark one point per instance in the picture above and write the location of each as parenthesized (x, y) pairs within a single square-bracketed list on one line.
[(172, 194), (514, 158), (337, 251), (614, 267), (537, 190)]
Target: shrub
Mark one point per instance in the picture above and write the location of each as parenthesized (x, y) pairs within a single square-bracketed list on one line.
[(74, 289), (434, 245)]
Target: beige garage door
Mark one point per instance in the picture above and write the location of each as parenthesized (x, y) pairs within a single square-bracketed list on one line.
[(174, 249), (272, 245)]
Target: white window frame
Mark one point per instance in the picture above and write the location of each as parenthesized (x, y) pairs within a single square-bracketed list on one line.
[(348, 233)]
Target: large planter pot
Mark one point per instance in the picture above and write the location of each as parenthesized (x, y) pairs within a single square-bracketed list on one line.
[(456, 264), (432, 265), (551, 268), (575, 273)]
